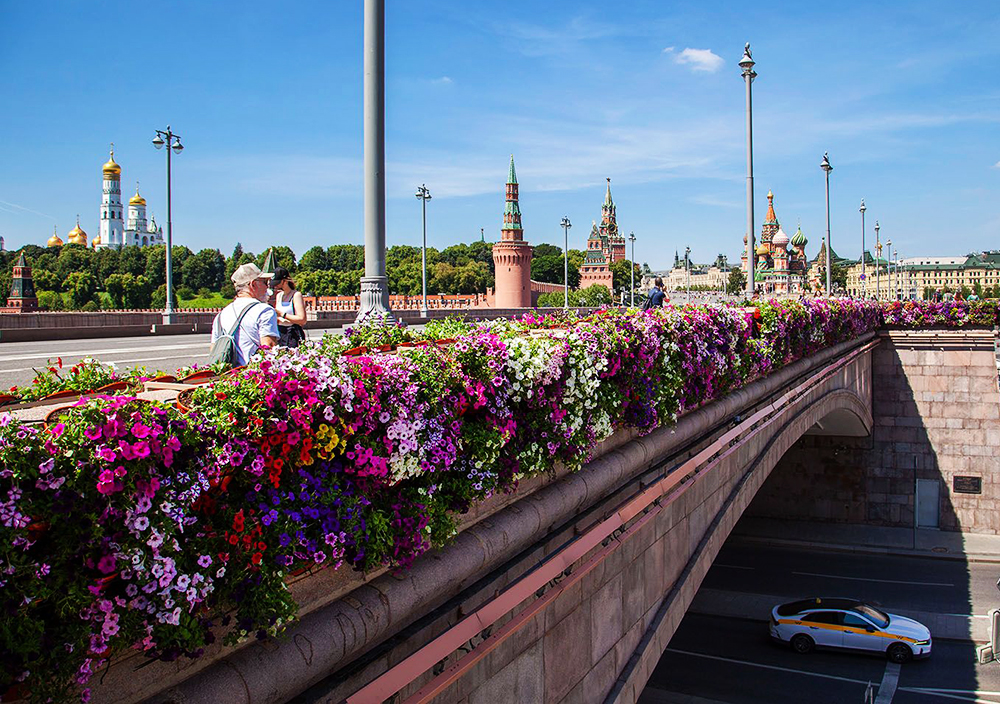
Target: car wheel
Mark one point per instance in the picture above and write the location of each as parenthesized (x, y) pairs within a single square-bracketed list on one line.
[(801, 643), (899, 653)]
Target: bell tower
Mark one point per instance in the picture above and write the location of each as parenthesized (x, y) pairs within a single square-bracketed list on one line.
[(512, 255)]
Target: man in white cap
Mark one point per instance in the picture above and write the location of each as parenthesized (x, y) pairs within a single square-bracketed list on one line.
[(257, 321)]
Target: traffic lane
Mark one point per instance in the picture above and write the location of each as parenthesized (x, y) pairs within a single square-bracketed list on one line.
[(735, 661), (918, 583), (954, 674), (18, 360)]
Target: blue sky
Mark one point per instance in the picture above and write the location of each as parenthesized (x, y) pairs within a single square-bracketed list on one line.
[(267, 96)]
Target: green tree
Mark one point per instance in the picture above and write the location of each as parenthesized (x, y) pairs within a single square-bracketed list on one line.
[(315, 259), (547, 250), (346, 257), (159, 297), (81, 286), (46, 280), (838, 276), (620, 279), (233, 261), (204, 270), (50, 300), (137, 292), (283, 256), (132, 260), (72, 259), (737, 282)]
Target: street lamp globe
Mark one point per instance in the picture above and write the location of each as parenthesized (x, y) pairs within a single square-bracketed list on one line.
[(158, 142), (178, 148), (862, 209), (747, 62), (825, 164)]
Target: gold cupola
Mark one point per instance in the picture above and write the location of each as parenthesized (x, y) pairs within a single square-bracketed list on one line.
[(54, 241), (96, 242), (112, 171), (137, 199), (77, 235)]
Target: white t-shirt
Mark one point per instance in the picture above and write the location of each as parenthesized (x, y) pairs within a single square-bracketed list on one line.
[(260, 322)]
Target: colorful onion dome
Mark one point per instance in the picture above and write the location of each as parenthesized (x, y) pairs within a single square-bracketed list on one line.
[(780, 240), (798, 239)]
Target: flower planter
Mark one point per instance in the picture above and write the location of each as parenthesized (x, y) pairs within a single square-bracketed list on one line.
[(54, 414), (183, 402), (111, 388), (7, 398), (235, 370), (202, 377), (68, 393), (167, 378), (354, 352)]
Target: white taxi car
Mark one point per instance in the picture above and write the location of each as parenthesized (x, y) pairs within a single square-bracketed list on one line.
[(848, 623)]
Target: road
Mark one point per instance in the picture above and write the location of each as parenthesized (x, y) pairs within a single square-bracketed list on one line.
[(716, 660)]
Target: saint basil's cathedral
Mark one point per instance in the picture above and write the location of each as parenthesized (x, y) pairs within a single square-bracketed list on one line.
[(777, 269), (115, 230)]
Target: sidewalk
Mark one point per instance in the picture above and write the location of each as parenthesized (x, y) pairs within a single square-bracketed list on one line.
[(866, 539), (922, 542)]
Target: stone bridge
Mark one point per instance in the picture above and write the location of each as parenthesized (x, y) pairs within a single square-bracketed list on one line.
[(567, 591)]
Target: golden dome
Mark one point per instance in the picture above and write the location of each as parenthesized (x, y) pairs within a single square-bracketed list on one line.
[(111, 169), (96, 241), (762, 250), (77, 235), (54, 241), (137, 199)]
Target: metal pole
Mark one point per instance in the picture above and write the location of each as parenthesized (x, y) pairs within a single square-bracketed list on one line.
[(424, 195), (687, 268), (878, 266), (565, 226), (375, 283), (825, 165), (747, 65), (864, 281), (632, 273), (168, 311)]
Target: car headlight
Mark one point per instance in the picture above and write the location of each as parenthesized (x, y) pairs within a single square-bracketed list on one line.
[(922, 642)]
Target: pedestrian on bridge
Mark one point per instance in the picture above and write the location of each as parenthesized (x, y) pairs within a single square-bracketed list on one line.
[(290, 307), (249, 320)]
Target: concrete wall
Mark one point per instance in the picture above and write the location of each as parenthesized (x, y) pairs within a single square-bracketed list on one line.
[(937, 417)]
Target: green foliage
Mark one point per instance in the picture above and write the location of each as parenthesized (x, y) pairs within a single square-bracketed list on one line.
[(838, 276), (550, 268), (81, 287), (283, 256), (590, 297), (49, 300), (214, 300), (620, 275), (159, 297), (546, 250), (737, 281), (315, 259)]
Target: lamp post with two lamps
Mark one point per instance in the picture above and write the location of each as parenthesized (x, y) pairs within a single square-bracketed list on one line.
[(687, 267), (825, 165), (747, 64), (864, 282), (878, 265), (173, 142), (424, 194), (566, 224), (631, 238)]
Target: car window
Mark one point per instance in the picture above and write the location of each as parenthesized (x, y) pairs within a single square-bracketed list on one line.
[(856, 621), (833, 617), (880, 618)]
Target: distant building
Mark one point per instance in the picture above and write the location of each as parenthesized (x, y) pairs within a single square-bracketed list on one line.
[(777, 270), (115, 231), (703, 277), (2, 247), (605, 246), (512, 255), (22, 289)]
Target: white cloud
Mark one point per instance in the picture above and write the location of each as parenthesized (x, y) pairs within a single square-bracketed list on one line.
[(997, 165), (668, 50), (443, 81), (700, 60)]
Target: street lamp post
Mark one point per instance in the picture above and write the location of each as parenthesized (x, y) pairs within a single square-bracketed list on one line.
[(375, 283), (825, 165), (888, 266), (864, 281), (631, 238), (173, 142), (878, 266), (424, 194), (566, 224), (747, 64), (687, 267)]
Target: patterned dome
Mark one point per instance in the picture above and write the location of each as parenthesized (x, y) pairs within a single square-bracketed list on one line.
[(781, 239), (798, 239)]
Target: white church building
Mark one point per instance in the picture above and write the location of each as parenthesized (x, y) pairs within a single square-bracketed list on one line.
[(115, 230)]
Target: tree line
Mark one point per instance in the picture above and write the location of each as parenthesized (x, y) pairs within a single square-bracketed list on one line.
[(75, 277)]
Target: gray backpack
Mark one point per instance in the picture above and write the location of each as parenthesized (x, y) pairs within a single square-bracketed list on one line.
[(225, 349)]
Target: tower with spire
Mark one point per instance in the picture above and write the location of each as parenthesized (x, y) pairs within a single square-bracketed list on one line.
[(778, 271), (22, 289), (112, 229), (605, 245), (512, 255)]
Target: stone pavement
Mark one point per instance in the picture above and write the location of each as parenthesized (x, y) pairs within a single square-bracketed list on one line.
[(867, 539)]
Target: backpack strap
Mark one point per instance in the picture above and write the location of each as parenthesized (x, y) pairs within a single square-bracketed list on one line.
[(236, 327)]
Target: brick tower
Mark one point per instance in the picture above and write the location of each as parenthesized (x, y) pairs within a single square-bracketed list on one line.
[(512, 255), (22, 288)]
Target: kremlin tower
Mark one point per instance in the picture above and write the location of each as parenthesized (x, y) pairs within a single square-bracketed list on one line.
[(22, 289), (604, 247), (112, 231), (512, 255)]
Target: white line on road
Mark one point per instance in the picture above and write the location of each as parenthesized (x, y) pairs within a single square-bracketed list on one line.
[(868, 579), (103, 353), (767, 667), (890, 680), (116, 361)]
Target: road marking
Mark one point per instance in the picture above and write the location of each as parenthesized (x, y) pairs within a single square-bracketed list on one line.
[(101, 353), (890, 680), (116, 362), (768, 667), (868, 579), (734, 567)]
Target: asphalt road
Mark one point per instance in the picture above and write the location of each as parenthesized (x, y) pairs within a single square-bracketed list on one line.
[(922, 584), (726, 661), (718, 660)]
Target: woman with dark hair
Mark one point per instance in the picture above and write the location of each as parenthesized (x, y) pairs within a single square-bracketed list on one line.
[(290, 307)]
